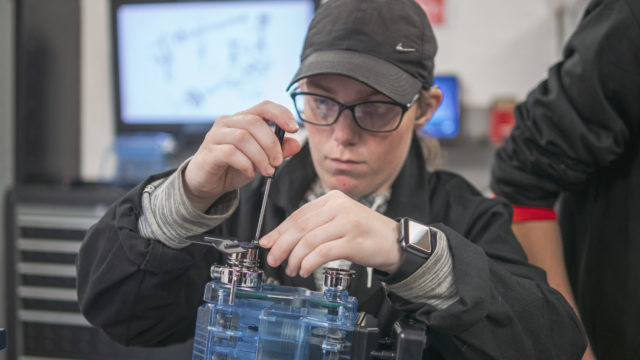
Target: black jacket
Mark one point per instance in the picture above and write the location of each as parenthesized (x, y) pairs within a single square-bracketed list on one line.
[(577, 139), (141, 292)]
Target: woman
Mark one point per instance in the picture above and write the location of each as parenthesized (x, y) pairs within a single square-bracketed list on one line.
[(363, 89)]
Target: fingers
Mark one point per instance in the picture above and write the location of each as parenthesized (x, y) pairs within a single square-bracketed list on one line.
[(286, 236), (223, 155), (307, 230), (274, 113), (317, 247), (329, 251), (235, 141), (237, 148), (333, 227), (296, 217), (290, 147), (256, 139)]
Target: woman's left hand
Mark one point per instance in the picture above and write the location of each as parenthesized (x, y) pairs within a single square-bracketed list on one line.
[(333, 227)]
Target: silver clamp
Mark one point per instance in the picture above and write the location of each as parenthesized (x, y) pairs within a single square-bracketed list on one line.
[(338, 279), (242, 269), (243, 277)]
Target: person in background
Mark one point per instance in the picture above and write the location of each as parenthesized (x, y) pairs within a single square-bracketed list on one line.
[(576, 146), (363, 89)]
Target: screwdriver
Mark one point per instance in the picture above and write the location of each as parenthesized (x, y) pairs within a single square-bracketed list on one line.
[(280, 135)]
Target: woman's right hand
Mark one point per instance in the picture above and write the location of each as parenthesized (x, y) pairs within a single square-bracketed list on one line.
[(236, 149)]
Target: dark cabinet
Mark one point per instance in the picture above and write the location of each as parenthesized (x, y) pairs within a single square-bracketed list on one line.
[(44, 229)]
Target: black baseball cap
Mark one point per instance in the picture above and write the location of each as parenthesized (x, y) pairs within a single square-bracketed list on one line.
[(386, 44)]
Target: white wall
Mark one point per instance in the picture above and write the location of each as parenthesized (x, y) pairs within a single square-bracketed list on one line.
[(97, 124), (496, 47), (6, 131)]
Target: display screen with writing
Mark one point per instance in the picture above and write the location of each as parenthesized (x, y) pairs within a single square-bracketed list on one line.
[(191, 62)]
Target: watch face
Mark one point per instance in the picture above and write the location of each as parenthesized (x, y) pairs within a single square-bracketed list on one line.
[(418, 234)]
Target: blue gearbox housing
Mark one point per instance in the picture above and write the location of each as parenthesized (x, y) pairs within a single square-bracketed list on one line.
[(242, 318)]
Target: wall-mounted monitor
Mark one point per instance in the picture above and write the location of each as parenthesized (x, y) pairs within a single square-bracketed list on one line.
[(445, 122), (181, 64)]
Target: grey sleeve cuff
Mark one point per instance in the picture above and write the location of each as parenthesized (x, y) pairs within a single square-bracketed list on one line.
[(433, 283), (167, 214)]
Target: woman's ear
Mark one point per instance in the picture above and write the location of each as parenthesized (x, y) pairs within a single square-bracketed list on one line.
[(428, 103)]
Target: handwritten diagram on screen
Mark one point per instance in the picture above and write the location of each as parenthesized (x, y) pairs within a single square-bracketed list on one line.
[(191, 62)]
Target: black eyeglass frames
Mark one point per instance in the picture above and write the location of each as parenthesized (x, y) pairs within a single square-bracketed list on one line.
[(375, 116)]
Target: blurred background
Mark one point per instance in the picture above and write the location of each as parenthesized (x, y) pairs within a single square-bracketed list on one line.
[(96, 94)]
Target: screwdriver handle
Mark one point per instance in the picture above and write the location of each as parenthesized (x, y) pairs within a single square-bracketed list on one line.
[(279, 134)]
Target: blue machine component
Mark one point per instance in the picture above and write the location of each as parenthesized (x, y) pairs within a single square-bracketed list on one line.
[(245, 319), (274, 322)]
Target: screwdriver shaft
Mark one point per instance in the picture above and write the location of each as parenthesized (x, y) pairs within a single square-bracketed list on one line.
[(262, 208), (280, 135)]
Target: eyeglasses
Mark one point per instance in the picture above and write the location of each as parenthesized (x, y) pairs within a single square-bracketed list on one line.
[(375, 116)]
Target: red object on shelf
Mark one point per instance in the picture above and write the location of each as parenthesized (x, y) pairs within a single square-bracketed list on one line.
[(434, 10), (501, 120)]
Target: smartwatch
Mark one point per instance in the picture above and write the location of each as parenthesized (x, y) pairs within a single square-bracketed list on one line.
[(416, 238)]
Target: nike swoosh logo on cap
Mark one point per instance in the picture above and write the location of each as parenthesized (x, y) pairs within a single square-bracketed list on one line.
[(401, 48)]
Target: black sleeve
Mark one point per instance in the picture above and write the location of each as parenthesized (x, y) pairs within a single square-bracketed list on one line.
[(582, 116), (506, 309), (139, 291)]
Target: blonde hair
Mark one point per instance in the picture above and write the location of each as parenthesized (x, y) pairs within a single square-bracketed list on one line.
[(430, 145)]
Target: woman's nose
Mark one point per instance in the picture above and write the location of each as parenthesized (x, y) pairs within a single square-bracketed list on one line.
[(345, 130)]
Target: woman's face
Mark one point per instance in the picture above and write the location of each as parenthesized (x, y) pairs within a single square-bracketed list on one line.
[(348, 158)]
